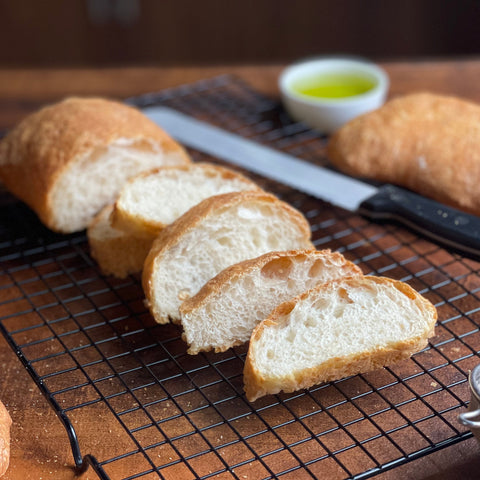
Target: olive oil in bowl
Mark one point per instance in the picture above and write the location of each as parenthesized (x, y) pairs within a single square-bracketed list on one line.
[(334, 86), (325, 93)]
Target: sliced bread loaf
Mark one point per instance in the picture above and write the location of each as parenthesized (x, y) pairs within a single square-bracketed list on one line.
[(116, 252), (218, 232), (70, 159), (228, 307), (334, 330), (150, 201)]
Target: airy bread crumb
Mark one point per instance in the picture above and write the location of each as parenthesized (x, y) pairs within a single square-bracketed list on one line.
[(341, 328), (152, 200), (216, 233), (229, 306)]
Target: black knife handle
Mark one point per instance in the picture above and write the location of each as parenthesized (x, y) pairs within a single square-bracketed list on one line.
[(442, 224)]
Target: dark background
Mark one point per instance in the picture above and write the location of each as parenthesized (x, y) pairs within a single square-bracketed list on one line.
[(37, 33)]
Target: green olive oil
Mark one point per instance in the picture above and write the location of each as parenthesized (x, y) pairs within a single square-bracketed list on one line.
[(335, 85)]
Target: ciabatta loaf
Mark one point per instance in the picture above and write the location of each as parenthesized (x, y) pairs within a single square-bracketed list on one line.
[(150, 201), (229, 306), (334, 330), (218, 232), (5, 424), (426, 142), (116, 252), (70, 159)]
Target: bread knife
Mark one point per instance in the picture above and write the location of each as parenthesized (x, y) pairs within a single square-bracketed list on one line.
[(445, 225)]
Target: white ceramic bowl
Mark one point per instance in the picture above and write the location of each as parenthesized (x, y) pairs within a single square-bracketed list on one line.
[(328, 114)]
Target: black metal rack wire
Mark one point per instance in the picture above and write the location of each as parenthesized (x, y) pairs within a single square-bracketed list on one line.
[(90, 345)]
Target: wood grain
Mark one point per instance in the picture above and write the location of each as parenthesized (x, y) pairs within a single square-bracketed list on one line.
[(40, 449), (23, 90)]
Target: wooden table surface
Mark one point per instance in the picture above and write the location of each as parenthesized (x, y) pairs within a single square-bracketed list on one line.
[(40, 449)]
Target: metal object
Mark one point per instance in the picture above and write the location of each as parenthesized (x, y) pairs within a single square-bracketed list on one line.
[(88, 341), (443, 224), (472, 418), (328, 185)]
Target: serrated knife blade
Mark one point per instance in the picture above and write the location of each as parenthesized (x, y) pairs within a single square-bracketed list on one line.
[(443, 224)]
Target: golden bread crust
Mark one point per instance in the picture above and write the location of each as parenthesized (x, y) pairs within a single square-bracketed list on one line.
[(35, 153), (171, 234), (119, 254), (256, 385), (334, 369), (5, 424), (425, 142)]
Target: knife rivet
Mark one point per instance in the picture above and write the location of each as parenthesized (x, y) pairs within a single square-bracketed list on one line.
[(460, 220)]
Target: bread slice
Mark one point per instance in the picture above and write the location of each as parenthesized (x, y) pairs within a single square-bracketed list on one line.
[(70, 159), (5, 424), (218, 232), (425, 142), (116, 252), (334, 330), (120, 236), (229, 306), (152, 200)]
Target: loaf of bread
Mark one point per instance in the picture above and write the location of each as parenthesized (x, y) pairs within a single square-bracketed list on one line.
[(116, 252), (334, 330), (425, 142), (228, 307), (150, 201), (218, 232), (5, 424), (70, 159)]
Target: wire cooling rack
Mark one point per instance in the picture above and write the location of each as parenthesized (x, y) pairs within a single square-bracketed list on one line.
[(93, 350)]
